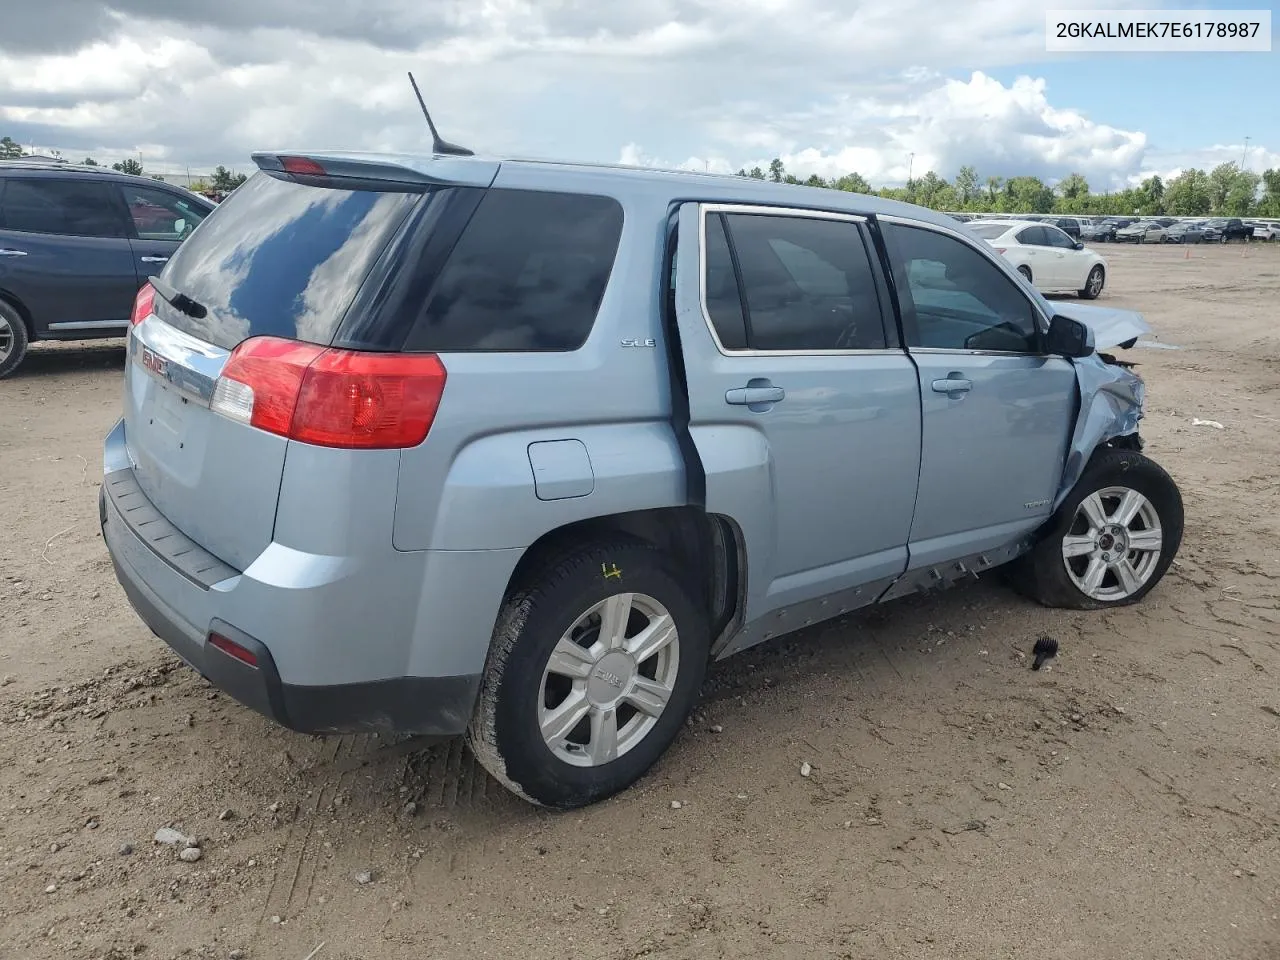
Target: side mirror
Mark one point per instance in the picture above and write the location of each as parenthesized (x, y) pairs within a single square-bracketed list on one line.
[(1079, 244), (1069, 338)]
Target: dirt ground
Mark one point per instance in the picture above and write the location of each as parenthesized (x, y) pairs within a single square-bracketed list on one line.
[(1122, 803)]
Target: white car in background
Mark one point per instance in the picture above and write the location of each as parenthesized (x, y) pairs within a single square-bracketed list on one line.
[(1046, 256)]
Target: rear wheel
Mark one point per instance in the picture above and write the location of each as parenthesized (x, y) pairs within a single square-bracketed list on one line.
[(1112, 539), (593, 669), (1093, 285), (13, 339)]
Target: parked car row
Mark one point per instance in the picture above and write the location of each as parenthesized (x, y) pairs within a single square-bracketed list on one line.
[(1147, 229), (76, 243)]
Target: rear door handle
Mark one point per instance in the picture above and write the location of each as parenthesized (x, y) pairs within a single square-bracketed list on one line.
[(756, 392), (154, 259), (7, 252), (952, 386)]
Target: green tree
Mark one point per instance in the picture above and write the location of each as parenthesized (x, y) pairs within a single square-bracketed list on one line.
[(158, 176), (1270, 203), (1151, 196), (226, 181), (756, 173), (966, 186), (1189, 194), (815, 181), (993, 189), (129, 166), (1073, 194), (1026, 195), (89, 162), (851, 183), (776, 170), (925, 190), (9, 150)]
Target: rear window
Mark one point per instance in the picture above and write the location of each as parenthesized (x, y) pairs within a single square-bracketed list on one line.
[(278, 258), (989, 231), (527, 274)]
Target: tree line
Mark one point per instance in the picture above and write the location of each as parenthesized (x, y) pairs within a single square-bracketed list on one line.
[(222, 179), (1226, 191)]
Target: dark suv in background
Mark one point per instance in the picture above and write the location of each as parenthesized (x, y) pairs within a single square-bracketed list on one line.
[(76, 243)]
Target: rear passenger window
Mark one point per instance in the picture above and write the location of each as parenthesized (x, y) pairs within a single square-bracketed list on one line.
[(527, 274), (724, 305), (807, 283), (72, 208)]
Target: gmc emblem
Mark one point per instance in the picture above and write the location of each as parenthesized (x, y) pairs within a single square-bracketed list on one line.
[(154, 362)]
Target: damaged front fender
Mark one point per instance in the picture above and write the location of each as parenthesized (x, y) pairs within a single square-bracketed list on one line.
[(1111, 399)]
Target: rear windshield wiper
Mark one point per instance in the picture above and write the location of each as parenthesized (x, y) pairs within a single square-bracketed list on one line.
[(179, 301)]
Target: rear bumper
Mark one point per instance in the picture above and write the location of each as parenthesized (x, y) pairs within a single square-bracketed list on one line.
[(301, 632)]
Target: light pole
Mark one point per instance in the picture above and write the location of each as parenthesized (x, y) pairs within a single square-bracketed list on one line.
[(1244, 153), (911, 162)]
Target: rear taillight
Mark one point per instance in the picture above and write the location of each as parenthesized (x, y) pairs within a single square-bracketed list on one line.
[(329, 397), (143, 304)]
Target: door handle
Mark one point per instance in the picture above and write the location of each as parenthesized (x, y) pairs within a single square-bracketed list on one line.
[(154, 259), (7, 252), (954, 385), (758, 392)]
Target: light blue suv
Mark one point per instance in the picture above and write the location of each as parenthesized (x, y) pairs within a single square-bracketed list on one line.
[(451, 445)]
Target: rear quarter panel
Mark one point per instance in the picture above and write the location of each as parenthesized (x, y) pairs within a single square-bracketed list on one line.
[(470, 485)]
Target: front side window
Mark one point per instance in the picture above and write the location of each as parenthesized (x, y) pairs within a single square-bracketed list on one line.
[(954, 298), (160, 215), (70, 208), (807, 283)]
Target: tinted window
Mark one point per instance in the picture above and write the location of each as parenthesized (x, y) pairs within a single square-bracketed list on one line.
[(955, 298), (75, 208), (527, 274), (1056, 238), (161, 215), (989, 231), (808, 283), (723, 303), (282, 259), (1033, 236)]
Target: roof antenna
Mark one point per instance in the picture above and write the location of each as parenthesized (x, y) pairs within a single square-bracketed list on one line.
[(438, 145)]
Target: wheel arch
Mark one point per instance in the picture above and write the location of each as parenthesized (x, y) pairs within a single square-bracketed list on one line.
[(12, 300), (709, 547)]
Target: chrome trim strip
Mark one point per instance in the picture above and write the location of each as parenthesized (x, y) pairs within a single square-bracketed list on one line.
[(189, 364), (90, 325)]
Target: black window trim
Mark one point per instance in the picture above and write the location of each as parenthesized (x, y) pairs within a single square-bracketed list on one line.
[(1001, 264), (115, 198), (888, 321)]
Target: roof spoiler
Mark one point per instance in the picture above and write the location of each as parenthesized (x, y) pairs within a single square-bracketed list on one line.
[(374, 168)]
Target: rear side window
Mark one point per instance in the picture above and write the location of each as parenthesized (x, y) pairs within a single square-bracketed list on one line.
[(527, 274), (71, 208), (282, 259), (160, 215), (807, 282)]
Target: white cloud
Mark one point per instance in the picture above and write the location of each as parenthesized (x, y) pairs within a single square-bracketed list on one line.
[(828, 85)]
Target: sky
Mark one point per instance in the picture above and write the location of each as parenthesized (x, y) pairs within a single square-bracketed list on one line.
[(885, 88)]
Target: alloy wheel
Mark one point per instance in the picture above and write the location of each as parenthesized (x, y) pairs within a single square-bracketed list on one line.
[(6, 338), (608, 679), (1113, 545), (1095, 281)]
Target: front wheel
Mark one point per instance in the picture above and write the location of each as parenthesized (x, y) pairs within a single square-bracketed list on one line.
[(13, 339), (1112, 539), (593, 669), (1093, 285)]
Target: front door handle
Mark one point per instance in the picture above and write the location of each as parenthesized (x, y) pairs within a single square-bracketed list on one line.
[(758, 394), (7, 252), (154, 259), (953, 386)]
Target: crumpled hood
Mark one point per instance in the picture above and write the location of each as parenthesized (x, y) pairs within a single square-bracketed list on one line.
[(1111, 326)]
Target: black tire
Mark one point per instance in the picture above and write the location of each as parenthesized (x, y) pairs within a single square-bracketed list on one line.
[(1090, 292), (505, 732), (13, 339), (1026, 272), (1042, 574)]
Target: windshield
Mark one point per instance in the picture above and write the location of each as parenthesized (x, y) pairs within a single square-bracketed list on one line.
[(989, 231), (282, 259)]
